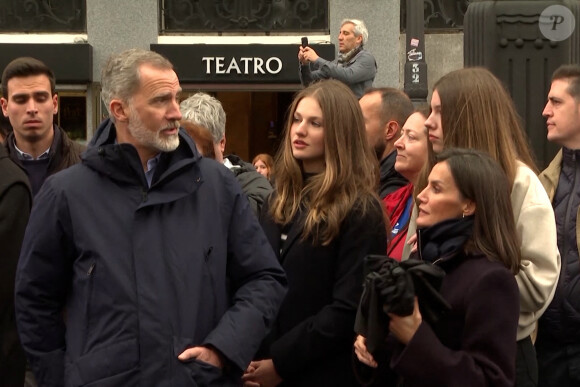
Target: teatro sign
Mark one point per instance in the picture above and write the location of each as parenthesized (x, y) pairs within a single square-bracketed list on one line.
[(237, 63), (243, 65)]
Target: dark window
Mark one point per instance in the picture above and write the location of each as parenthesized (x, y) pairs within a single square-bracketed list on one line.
[(72, 114), (43, 16), (264, 16), (439, 15)]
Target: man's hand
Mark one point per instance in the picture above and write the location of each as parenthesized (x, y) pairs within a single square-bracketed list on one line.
[(404, 328), (363, 355), (307, 55), (261, 374), (204, 354), (301, 58)]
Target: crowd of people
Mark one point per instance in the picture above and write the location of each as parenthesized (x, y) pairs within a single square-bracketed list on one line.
[(149, 257)]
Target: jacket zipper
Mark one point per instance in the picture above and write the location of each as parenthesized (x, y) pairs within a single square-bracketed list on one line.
[(91, 279)]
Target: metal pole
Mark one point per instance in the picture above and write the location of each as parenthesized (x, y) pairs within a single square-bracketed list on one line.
[(415, 65)]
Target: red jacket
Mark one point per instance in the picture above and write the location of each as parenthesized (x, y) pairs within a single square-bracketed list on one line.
[(395, 204)]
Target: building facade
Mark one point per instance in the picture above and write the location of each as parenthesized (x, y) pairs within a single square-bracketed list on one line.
[(242, 51)]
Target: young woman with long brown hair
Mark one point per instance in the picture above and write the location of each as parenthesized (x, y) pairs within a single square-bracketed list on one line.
[(470, 108), (322, 220)]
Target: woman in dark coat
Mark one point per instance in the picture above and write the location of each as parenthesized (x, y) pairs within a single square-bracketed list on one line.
[(323, 219), (466, 228)]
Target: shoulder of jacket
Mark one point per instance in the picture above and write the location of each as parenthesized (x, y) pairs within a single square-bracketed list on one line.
[(549, 177)]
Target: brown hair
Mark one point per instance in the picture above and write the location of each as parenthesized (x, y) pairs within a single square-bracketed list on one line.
[(266, 159), (425, 111), (494, 232), (202, 138), (26, 67), (350, 177), (478, 113), (395, 105), (571, 73)]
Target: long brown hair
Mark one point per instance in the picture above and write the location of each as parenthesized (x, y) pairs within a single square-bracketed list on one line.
[(350, 176), (480, 179), (478, 113), (423, 178)]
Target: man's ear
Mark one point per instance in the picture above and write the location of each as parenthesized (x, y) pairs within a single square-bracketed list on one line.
[(222, 144), (391, 130), (119, 110), (55, 104), (4, 103)]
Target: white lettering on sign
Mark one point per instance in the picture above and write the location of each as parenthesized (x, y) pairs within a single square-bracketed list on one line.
[(246, 61), (258, 62), (219, 65), (269, 61), (415, 73), (243, 65)]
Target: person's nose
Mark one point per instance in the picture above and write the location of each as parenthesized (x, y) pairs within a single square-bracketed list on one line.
[(31, 106), (429, 122), (301, 128), (422, 197), (547, 110), (399, 144), (174, 113)]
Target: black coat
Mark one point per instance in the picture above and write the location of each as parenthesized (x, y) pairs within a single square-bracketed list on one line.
[(391, 180), (15, 202), (312, 339), (256, 187), (143, 272)]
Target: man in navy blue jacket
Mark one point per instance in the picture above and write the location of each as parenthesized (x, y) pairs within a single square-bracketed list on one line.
[(144, 264), (558, 342)]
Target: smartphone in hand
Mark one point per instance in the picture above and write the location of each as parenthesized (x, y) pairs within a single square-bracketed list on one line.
[(304, 41)]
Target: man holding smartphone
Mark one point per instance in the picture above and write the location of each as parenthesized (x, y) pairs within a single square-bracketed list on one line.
[(355, 66)]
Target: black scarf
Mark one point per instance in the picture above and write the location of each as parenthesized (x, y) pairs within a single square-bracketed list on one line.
[(444, 239)]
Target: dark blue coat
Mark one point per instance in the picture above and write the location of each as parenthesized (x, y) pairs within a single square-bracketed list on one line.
[(116, 279)]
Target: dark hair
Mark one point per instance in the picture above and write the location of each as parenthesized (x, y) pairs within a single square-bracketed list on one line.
[(423, 109), (26, 67), (202, 138), (5, 127), (395, 104), (480, 178), (571, 73)]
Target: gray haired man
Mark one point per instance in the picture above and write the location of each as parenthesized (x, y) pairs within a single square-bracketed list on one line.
[(204, 110), (144, 265), (355, 66)]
